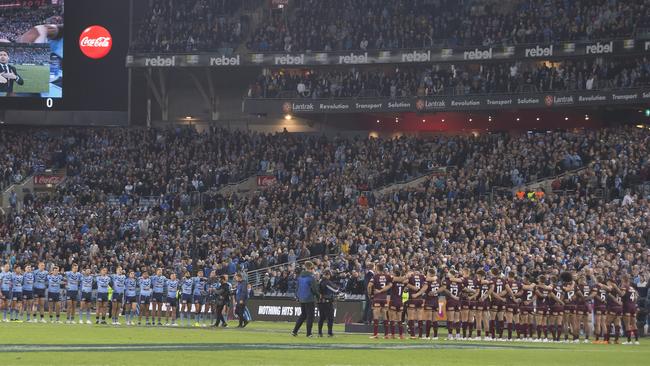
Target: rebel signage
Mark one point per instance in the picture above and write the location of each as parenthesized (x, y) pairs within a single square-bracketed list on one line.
[(424, 55), (600, 48), (538, 51)]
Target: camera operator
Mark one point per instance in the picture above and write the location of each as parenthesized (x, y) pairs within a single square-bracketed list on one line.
[(327, 291)]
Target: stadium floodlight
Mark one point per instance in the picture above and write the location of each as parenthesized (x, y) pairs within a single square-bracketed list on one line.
[(647, 112), (288, 117)]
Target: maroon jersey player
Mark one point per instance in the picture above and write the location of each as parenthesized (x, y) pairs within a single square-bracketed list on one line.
[(452, 287), (378, 287), (512, 303), (417, 285), (431, 304), (600, 310), (629, 298), (396, 304)]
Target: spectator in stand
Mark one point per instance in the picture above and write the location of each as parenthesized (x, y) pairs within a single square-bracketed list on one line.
[(455, 79), (314, 25)]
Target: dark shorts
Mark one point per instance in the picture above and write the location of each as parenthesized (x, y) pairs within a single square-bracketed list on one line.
[(118, 297), (172, 301), (431, 304), (615, 310), (453, 305), (497, 305), (6, 295), (157, 297), (28, 295), (601, 309), (629, 309), (582, 309), (39, 293), (570, 309), (131, 300), (542, 310), (186, 299), (145, 300), (416, 304), (464, 304), (72, 295), (557, 309), (512, 307), (54, 296), (526, 309), (473, 305), (102, 296), (482, 305), (379, 303), (199, 299), (87, 296), (17, 296)]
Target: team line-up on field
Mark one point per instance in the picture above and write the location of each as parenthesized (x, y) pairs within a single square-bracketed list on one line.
[(24, 295), (491, 303)]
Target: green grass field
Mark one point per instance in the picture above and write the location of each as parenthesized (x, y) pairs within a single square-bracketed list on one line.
[(37, 79), (271, 344)]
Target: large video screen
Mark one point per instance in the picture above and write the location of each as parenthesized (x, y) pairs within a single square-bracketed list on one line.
[(35, 35)]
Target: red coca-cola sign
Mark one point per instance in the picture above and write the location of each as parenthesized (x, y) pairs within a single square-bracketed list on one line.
[(47, 179), (95, 42), (265, 180)]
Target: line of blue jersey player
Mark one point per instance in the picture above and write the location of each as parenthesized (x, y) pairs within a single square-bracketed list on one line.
[(26, 293)]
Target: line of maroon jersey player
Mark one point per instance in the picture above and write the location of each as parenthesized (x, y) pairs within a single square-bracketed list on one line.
[(492, 303)]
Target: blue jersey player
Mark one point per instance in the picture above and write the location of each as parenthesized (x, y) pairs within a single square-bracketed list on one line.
[(172, 298), (103, 283), (87, 282), (5, 290), (131, 301), (72, 283), (146, 290), (199, 295), (54, 282), (187, 284), (158, 283), (40, 287), (28, 292), (119, 286), (17, 293)]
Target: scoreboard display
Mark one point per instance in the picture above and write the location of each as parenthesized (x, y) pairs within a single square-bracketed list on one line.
[(64, 54)]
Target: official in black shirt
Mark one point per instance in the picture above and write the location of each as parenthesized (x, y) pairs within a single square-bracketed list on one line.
[(222, 298), (327, 291)]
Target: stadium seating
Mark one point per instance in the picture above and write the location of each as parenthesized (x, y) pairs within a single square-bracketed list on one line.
[(316, 207)]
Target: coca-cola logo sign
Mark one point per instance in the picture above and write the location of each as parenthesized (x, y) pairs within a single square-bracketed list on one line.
[(47, 179), (95, 42)]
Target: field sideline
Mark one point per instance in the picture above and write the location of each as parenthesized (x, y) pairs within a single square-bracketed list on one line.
[(264, 343)]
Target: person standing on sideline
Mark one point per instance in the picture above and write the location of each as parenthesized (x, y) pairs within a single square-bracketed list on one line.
[(241, 297), (307, 293), (327, 292), (222, 300), (367, 310)]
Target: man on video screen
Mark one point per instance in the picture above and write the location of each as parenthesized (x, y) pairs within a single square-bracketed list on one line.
[(8, 74)]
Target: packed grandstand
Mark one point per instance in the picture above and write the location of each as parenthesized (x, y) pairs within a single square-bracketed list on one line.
[(526, 204)]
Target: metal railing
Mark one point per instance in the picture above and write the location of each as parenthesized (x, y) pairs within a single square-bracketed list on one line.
[(256, 277)]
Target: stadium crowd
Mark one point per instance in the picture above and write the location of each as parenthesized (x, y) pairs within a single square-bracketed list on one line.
[(314, 25), (321, 203), (185, 26), (455, 79)]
